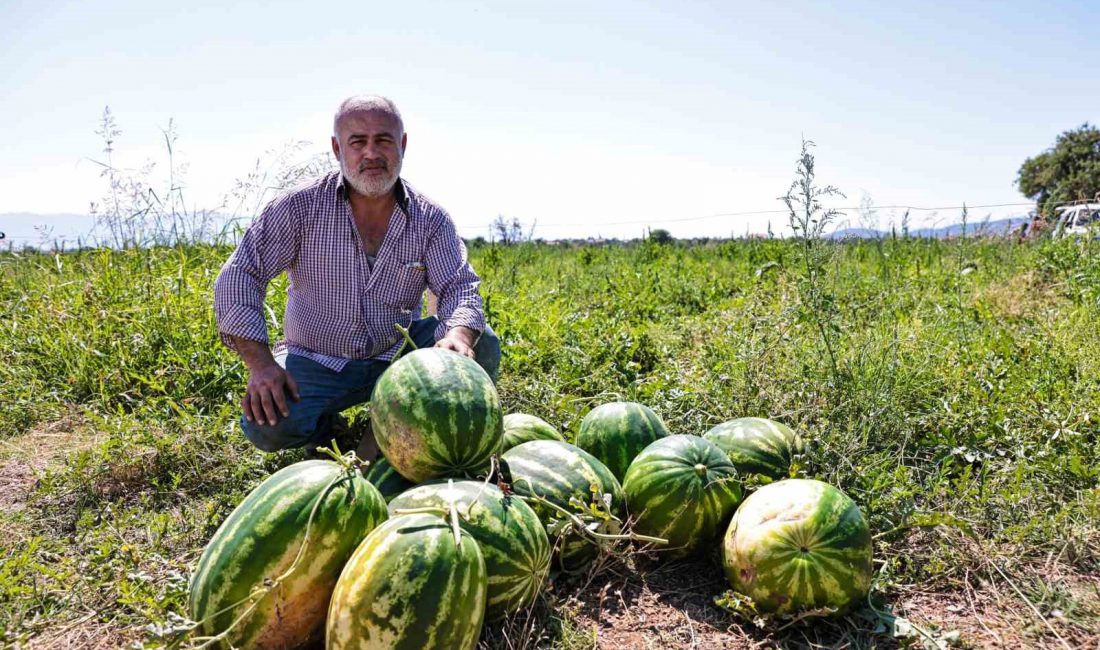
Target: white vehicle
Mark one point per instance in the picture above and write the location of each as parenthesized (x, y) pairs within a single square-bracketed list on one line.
[(1077, 219)]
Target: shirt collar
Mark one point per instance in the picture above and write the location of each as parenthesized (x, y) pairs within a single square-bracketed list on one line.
[(401, 192)]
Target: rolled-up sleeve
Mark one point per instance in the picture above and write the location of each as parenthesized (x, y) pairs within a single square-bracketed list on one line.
[(451, 277), (268, 247)]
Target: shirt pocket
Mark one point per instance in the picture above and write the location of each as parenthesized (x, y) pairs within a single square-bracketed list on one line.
[(410, 279)]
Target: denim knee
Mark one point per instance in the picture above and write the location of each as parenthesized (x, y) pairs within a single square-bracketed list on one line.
[(285, 434), (487, 352)]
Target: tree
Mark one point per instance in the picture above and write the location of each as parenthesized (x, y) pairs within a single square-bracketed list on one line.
[(660, 236), (1068, 171), (510, 232)]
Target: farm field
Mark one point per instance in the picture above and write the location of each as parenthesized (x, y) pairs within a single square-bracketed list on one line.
[(951, 388)]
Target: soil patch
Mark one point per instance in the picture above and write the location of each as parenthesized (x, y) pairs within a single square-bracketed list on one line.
[(671, 605), (24, 458)]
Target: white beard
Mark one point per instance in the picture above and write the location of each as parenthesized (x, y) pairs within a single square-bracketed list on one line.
[(372, 187)]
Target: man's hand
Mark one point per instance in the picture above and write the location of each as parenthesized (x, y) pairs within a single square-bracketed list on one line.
[(265, 398), (459, 339)]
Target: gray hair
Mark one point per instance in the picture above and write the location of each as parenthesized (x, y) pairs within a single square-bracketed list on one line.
[(368, 103)]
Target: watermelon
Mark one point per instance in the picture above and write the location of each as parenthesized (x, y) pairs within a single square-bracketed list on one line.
[(758, 445), (798, 544), (616, 432), (683, 489), (436, 413), (260, 540), (509, 533), (558, 472), (520, 428), (383, 476), (409, 586)]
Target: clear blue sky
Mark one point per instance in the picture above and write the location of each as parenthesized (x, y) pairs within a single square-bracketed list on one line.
[(574, 114)]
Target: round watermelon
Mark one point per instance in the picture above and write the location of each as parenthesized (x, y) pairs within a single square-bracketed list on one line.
[(436, 413), (383, 476), (559, 472), (520, 428), (616, 432), (758, 445), (409, 586), (260, 540), (798, 544), (683, 489), (509, 533)]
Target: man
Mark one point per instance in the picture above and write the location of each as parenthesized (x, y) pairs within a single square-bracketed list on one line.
[(359, 247)]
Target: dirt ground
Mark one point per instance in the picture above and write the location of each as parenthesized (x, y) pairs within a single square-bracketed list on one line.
[(670, 605)]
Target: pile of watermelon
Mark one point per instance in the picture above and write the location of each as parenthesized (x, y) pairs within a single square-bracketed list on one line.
[(463, 519)]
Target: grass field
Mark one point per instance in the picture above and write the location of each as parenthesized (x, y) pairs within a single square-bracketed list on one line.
[(952, 388)]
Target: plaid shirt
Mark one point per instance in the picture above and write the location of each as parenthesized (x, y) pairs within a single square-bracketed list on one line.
[(338, 307)]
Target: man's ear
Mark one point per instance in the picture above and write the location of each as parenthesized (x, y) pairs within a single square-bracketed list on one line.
[(336, 147), (404, 142)]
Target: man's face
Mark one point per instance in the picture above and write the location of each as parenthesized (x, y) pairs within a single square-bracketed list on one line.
[(370, 147)]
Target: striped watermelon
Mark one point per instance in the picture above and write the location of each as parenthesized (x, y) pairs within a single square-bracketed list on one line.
[(410, 587), (558, 472), (383, 476), (758, 445), (520, 428), (616, 432), (798, 544), (436, 413), (260, 540), (509, 533), (683, 489)]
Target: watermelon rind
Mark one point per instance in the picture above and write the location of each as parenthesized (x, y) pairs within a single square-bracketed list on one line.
[(509, 533), (260, 540), (683, 489), (409, 586), (521, 427), (617, 432), (560, 472), (436, 413), (758, 445), (388, 480), (799, 544)]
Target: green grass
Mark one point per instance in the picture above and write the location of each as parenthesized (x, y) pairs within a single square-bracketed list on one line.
[(966, 389)]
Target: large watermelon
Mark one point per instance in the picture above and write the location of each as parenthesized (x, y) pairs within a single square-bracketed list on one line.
[(558, 472), (509, 533), (798, 544), (436, 413), (683, 489), (520, 428), (758, 445), (409, 586), (616, 432), (383, 476), (260, 540)]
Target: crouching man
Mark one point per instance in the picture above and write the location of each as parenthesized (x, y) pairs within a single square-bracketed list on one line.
[(359, 246)]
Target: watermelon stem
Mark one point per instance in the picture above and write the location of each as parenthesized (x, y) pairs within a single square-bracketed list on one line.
[(579, 524), (347, 461), (408, 340)]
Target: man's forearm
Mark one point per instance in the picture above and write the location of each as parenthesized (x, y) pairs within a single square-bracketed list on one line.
[(255, 354)]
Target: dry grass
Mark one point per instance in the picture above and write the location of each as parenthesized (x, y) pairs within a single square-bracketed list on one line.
[(84, 633), (24, 458)]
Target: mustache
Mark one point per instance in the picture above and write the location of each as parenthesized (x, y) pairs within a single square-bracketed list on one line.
[(373, 164)]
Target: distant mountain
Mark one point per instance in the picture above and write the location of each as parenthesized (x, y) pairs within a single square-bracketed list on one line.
[(28, 229), (66, 230), (980, 228)]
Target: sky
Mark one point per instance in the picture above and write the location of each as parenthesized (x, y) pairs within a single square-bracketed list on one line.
[(580, 118)]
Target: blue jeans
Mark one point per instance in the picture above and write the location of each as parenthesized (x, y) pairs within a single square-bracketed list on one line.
[(323, 393)]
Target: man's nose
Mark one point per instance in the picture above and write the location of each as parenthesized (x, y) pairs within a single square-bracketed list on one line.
[(373, 150)]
